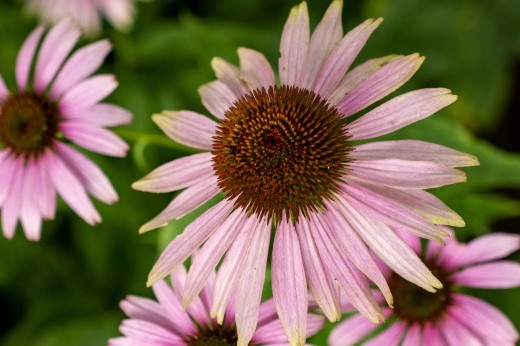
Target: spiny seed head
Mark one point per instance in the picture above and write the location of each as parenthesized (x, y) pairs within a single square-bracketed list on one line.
[(215, 335), (28, 123), (280, 152)]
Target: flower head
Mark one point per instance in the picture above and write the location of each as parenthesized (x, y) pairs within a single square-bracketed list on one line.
[(163, 322), (87, 13), (286, 156), (60, 102), (446, 317)]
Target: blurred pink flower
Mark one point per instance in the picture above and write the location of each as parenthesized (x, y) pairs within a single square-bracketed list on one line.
[(446, 317), (165, 323), (286, 158), (86, 13), (58, 100)]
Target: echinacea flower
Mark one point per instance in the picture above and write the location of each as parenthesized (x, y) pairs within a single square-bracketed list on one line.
[(163, 322), (286, 158), (86, 13), (59, 101), (448, 316)]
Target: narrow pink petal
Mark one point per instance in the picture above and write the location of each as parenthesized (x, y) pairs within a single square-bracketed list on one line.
[(251, 283), (357, 75), (120, 13), (501, 274), (211, 253), (70, 188), (94, 138), (188, 128), (25, 57), (80, 65), (255, 70), (94, 180), (12, 206), (432, 336), (87, 93), (149, 334), (30, 216), (404, 174), (217, 98), (456, 333), (55, 47), (414, 336), (229, 75), (399, 112), (45, 192), (321, 283), (185, 244), (342, 57), (294, 46), (101, 114), (267, 312), (489, 247), (351, 331), (4, 92), (289, 283), (273, 333), (177, 174), (380, 84), (412, 241), (390, 336), (145, 309), (413, 151), (323, 40), (8, 163), (390, 248)]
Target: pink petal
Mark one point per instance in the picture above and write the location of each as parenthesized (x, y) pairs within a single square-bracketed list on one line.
[(8, 163), (229, 75), (185, 244), (289, 283), (489, 247), (273, 333), (413, 151), (294, 46), (94, 138), (380, 84), (29, 214), (4, 92), (342, 57), (87, 93), (390, 336), (403, 174), (177, 174), (57, 45), (351, 331), (120, 13), (25, 57), (188, 128), (101, 114), (501, 274), (255, 70), (80, 65), (414, 336), (13, 201), (399, 112), (45, 192), (149, 334), (145, 309), (217, 98), (456, 333), (432, 336)]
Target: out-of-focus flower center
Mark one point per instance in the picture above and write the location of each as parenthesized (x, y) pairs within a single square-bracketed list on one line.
[(217, 335), (280, 152), (28, 123), (414, 304)]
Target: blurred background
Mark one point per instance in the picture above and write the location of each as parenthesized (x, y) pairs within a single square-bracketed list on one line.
[(65, 289)]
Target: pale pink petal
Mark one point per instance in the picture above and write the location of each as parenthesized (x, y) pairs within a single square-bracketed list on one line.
[(70, 188), (273, 333), (324, 38), (251, 283), (489, 247), (390, 336), (342, 57), (380, 84), (255, 70), (412, 241), (13, 201), (432, 336), (229, 75), (188, 128), (120, 13), (101, 114), (94, 138), (351, 331), (217, 98), (45, 192), (4, 92), (456, 333), (80, 65), (404, 174), (413, 336), (8, 163), (55, 47), (289, 283), (91, 177), (185, 244), (149, 334), (177, 174), (399, 112), (501, 274), (30, 216), (25, 57), (145, 309), (413, 151), (294, 46), (87, 93), (357, 75)]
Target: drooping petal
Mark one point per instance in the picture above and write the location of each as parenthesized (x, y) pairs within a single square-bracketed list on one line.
[(13, 201), (390, 336), (455, 333), (294, 46), (45, 192), (413, 336), (94, 138), (87, 93), (101, 114), (432, 335), (501, 274), (140, 308), (146, 333), (8, 163), (217, 98), (351, 331), (229, 75), (30, 216), (488, 247), (255, 70), (273, 333), (380, 84), (399, 112), (25, 57), (188, 128)]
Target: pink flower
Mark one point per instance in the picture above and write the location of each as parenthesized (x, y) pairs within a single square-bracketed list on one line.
[(286, 158), (165, 323), (446, 317), (86, 13), (60, 101)]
